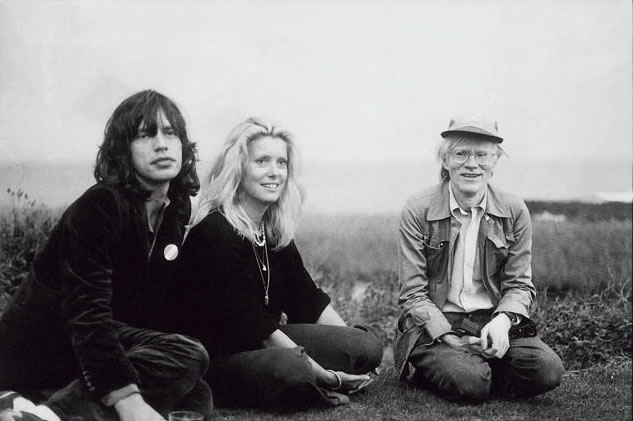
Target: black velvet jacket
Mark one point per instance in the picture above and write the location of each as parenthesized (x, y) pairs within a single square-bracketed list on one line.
[(218, 294), (97, 265)]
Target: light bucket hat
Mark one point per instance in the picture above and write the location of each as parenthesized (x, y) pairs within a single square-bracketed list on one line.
[(474, 124)]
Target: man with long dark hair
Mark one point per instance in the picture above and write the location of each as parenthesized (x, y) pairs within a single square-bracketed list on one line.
[(81, 325)]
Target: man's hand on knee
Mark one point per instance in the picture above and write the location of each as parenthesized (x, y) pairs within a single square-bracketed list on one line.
[(494, 337)]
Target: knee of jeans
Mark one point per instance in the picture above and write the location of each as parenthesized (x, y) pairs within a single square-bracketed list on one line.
[(195, 351), (294, 382), (369, 352), (374, 352), (475, 386), (550, 373), (465, 383), (293, 368)]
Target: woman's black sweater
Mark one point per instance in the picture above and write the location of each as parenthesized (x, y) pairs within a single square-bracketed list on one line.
[(217, 294)]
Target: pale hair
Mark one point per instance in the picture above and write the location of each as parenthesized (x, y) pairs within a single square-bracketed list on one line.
[(222, 188), (452, 141)]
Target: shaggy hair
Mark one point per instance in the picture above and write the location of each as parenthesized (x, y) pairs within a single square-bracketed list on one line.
[(114, 162)]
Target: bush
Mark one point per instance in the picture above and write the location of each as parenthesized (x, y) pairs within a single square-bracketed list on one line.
[(24, 228), (587, 330), (371, 300)]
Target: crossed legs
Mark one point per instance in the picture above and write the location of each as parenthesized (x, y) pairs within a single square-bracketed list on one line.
[(529, 368), (170, 367), (283, 377)]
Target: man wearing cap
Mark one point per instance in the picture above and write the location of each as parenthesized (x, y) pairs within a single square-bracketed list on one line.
[(465, 280)]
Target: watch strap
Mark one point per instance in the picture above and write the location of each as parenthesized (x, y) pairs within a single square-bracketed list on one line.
[(514, 318)]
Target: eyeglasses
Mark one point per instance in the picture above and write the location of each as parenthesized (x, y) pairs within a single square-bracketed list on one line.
[(460, 156)]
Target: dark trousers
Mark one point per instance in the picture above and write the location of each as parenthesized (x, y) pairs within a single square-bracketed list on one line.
[(37, 360), (528, 368), (283, 377)]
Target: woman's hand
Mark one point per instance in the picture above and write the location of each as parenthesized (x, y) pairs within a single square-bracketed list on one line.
[(134, 408)]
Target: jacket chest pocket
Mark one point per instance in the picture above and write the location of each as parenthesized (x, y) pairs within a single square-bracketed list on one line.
[(496, 253), (436, 252)]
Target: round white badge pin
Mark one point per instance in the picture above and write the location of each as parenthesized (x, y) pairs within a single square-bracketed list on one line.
[(170, 252)]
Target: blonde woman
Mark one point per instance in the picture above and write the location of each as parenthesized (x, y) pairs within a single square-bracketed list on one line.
[(241, 269)]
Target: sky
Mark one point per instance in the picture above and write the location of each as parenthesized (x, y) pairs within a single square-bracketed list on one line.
[(355, 81)]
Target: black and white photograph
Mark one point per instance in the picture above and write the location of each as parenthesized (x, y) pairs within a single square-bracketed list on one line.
[(316, 210)]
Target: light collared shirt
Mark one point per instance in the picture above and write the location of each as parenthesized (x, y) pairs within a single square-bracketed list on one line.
[(466, 292)]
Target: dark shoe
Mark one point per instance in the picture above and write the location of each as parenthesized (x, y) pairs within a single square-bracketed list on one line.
[(11, 415)]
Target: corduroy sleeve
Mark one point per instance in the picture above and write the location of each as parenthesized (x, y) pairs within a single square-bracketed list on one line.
[(91, 228)]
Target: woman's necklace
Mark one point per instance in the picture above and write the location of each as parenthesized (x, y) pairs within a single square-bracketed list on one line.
[(260, 236), (263, 264)]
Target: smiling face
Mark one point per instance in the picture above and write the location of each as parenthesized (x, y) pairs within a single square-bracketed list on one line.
[(265, 173), (157, 157), (470, 177)]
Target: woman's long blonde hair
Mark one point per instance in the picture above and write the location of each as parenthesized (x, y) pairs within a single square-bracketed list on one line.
[(222, 188)]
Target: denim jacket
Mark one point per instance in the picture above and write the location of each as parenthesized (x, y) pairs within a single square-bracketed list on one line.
[(427, 237)]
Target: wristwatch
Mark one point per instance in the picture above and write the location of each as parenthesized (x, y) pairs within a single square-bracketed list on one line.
[(514, 318)]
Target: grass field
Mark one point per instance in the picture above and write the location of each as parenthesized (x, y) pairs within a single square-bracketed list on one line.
[(582, 271)]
